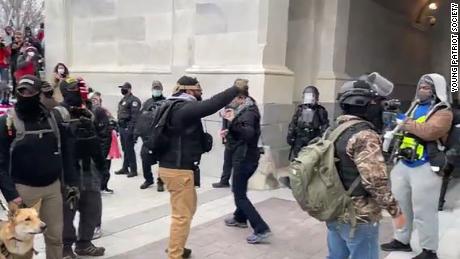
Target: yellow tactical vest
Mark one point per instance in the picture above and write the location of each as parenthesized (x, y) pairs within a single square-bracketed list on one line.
[(412, 143)]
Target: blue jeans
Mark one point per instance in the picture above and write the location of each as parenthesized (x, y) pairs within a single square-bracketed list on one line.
[(364, 244), (244, 209)]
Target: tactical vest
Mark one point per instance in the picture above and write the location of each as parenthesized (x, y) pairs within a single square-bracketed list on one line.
[(347, 169), (413, 142)]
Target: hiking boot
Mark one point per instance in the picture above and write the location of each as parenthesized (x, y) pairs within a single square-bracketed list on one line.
[(122, 171), (186, 254), (67, 253), (97, 233), (89, 250), (161, 188), (145, 185), (396, 245), (259, 238), (426, 254), (231, 222), (132, 174), (220, 185), (107, 191)]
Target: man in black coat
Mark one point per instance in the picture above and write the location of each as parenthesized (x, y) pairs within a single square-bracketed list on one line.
[(242, 142), (91, 167), (34, 165), (181, 157)]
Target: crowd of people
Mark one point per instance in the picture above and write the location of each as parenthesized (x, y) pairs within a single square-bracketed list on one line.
[(21, 53), (63, 127)]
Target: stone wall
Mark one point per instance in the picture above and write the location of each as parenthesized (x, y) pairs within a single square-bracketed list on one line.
[(279, 45), (109, 42)]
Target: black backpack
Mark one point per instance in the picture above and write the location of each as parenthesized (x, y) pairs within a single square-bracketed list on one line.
[(449, 157), (453, 141), (145, 121), (157, 139)]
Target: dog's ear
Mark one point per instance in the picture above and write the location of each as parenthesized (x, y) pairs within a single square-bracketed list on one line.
[(13, 207), (37, 205)]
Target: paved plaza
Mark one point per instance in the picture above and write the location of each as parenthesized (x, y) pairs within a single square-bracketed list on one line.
[(136, 225)]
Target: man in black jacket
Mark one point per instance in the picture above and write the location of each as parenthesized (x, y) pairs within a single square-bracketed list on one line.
[(91, 166), (183, 154), (147, 159), (242, 142), (37, 164)]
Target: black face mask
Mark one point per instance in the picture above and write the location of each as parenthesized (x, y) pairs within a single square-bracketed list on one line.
[(374, 114), (124, 91), (28, 107), (73, 99)]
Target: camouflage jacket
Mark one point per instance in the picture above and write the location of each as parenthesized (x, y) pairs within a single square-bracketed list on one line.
[(364, 149)]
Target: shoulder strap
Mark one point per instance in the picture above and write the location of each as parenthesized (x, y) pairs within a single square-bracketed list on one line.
[(65, 115), (335, 134)]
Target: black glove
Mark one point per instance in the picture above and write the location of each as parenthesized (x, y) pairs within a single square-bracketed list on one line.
[(71, 196)]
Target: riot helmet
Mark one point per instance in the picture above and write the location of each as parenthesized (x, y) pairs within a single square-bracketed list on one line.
[(363, 98), (310, 95)]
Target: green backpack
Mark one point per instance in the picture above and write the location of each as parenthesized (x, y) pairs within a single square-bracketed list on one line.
[(315, 182)]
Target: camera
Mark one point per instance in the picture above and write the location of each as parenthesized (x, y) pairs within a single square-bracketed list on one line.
[(392, 105), (408, 154)]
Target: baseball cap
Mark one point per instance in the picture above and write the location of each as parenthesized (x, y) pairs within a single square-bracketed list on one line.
[(126, 85), (29, 85)]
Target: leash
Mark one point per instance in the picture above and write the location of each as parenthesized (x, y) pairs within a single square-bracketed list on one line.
[(4, 207)]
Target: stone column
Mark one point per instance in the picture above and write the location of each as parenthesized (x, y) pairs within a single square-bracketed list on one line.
[(333, 35), (246, 39)]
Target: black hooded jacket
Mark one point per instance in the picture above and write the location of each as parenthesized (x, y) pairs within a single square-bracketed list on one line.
[(34, 165), (243, 135), (186, 132)]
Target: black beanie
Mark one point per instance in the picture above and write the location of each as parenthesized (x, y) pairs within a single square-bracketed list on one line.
[(186, 80)]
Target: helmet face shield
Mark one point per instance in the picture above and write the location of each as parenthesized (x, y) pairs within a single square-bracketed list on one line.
[(310, 95), (309, 98)]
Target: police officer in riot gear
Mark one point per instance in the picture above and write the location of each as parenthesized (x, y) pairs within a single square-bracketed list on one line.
[(128, 111), (308, 122), (147, 159)]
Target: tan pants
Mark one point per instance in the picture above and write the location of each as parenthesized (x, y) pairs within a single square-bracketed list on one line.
[(181, 187), (50, 212)]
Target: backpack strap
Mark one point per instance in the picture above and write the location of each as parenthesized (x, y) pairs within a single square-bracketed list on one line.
[(13, 121), (65, 115), (336, 132)]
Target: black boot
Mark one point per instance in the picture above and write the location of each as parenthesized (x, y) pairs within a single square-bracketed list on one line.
[(426, 254), (396, 245), (122, 171), (132, 174), (146, 185)]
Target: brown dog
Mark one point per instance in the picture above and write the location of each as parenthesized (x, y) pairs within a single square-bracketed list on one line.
[(17, 234)]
